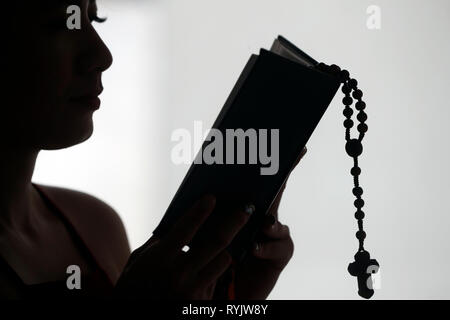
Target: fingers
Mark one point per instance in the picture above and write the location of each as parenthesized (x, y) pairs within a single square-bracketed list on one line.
[(279, 246), (274, 229), (215, 269), (150, 242), (278, 250), (188, 225), (218, 235), (273, 211), (139, 251)]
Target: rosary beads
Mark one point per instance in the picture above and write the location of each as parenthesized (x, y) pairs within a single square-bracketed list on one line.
[(363, 267)]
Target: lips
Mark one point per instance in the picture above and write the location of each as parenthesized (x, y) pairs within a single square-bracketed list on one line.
[(89, 101), (89, 97)]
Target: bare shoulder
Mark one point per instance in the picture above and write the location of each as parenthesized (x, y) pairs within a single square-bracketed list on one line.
[(95, 212), (97, 222)]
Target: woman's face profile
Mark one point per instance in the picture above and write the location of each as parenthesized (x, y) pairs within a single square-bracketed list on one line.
[(53, 74)]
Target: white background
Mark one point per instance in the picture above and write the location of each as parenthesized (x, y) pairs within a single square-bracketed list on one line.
[(176, 61)]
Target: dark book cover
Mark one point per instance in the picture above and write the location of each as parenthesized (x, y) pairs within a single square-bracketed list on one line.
[(273, 92)]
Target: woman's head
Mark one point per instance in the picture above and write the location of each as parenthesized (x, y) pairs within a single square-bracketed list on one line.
[(53, 74)]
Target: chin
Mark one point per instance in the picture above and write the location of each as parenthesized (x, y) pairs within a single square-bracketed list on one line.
[(69, 136)]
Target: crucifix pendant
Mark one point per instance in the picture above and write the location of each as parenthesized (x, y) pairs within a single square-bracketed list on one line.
[(363, 267)]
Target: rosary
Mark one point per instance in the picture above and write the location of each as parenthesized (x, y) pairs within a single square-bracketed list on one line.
[(363, 267)]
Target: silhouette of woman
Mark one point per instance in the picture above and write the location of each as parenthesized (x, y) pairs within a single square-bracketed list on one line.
[(53, 82)]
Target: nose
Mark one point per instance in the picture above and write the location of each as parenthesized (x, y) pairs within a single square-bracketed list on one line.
[(95, 56)]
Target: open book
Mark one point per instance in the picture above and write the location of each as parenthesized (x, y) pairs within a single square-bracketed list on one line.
[(273, 109), (284, 48)]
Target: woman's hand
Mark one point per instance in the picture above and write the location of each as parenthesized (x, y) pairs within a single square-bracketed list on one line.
[(160, 269), (259, 272)]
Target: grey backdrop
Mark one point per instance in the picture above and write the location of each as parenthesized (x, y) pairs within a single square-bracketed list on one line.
[(176, 61)]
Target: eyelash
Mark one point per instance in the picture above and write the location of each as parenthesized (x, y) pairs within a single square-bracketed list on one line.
[(97, 19), (61, 24)]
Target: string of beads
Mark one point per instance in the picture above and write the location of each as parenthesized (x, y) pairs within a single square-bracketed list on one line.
[(354, 149)]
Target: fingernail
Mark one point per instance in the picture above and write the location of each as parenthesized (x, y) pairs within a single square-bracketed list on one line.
[(249, 209)]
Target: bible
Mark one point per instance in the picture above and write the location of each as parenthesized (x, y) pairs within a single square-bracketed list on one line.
[(279, 89)]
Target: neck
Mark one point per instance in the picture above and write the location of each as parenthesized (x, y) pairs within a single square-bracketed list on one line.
[(16, 191)]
